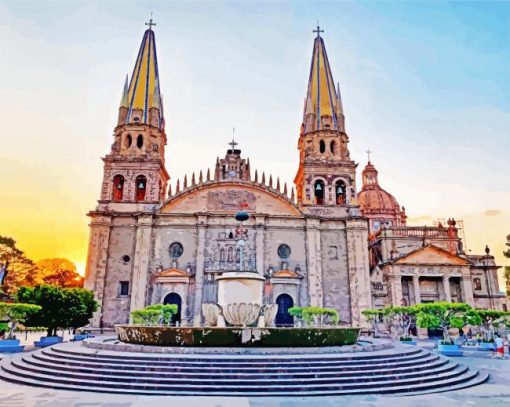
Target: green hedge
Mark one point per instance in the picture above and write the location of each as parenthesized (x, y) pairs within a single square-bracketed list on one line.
[(246, 337)]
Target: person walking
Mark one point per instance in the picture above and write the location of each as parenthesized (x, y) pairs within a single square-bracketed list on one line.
[(500, 349)]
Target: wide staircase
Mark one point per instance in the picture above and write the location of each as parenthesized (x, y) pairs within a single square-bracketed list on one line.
[(403, 370)]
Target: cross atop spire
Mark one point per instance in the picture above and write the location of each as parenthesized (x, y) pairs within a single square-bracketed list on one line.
[(233, 144), (318, 30), (150, 23), (368, 154)]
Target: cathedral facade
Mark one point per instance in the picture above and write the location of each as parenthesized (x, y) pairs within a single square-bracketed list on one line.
[(150, 244)]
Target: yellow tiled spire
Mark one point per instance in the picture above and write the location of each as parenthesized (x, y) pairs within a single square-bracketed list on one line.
[(322, 100), (144, 84)]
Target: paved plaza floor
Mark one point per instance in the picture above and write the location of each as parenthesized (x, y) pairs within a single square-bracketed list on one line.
[(495, 393)]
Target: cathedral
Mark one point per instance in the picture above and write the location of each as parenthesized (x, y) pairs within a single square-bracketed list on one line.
[(318, 243)]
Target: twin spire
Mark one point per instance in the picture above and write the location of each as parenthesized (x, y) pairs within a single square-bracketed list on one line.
[(142, 93), (323, 103)]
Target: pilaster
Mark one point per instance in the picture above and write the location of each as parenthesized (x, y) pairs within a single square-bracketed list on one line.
[(359, 273), (314, 262), (141, 262), (447, 292), (260, 235), (199, 270), (416, 286)]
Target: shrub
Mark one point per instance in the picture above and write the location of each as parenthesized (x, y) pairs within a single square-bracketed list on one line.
[(157, 314), (15, 313), (373, 316), (404, 316), (316, 316), (62, 308)]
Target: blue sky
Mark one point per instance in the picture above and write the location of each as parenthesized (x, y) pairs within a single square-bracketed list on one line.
[(425, 86)]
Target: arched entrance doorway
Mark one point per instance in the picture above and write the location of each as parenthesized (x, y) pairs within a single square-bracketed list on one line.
[(174, 298), (283, 318)]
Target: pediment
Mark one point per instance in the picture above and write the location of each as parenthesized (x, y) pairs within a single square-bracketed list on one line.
[(432, 255), (230, 196), (172, 272), (286, 274)]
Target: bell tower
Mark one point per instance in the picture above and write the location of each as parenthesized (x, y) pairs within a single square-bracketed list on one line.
[(135, 177), (326, 175)]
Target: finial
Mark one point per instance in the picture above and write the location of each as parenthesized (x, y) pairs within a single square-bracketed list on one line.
[(256, 176), (318, 30), (233, 144), (200, 177), (193, 179), (185, 184), (270, 181), (278, 184), (263, 178), (292, 194), (368, 154), (208, 174), (169, 190), (150, 23), (178, 187), (285, 189)]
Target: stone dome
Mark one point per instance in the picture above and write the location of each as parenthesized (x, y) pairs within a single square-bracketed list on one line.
[(373, 199)]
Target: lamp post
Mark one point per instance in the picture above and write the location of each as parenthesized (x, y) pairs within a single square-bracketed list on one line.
[(487, 278)]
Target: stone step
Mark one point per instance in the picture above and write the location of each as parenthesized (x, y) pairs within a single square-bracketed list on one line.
[(149, 371), (211, 368), (270, 357), (463, 380), (446, 370)]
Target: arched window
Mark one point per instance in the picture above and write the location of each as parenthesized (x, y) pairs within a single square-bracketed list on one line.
[(118, 188), (222, 255), (139, 141), (141, 187), (340, 190), (174, 298), (129, 141), (322, 147), (332, 147), (477, 284), (318, 192), (230, 257)]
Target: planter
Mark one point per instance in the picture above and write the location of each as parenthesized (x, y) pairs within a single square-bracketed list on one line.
[(48, 341), (487, 346), (81, 337), (449, 350), (408, 342), (10, 345)]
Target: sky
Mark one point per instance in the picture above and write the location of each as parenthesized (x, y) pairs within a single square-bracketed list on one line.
[(425, 86)]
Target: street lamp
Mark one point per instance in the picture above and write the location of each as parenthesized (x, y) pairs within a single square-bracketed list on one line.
[(487, 279)]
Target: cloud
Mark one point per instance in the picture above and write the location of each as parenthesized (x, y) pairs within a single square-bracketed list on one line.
[(492, 212)]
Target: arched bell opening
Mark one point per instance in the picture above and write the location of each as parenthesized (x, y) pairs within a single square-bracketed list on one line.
[(141, 187), (318, 192), (340, 192), (118, 188)]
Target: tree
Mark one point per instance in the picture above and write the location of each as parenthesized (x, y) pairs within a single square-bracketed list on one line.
[(16, 268), (316, 315), (58, 271), (16, 313), (373, 316), (62, 308), (404, 316), (506, 253), (157, 314), (491, 319), (446, 315)]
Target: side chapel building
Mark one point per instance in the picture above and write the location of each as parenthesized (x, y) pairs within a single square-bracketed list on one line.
[(150, 244)]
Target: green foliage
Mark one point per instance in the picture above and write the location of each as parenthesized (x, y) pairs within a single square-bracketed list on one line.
[(62, 308), (16, 266), (372, 313), (445, 315), (404, 316), (316, 315), (16, 313), (157, 314)]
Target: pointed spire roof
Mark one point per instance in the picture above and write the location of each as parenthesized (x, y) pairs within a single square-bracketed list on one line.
[(322, 98), (143, 91), (124, 100)]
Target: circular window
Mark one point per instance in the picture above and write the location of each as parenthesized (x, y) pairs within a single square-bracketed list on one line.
[(126, 258), (283, 251), (176, 250)]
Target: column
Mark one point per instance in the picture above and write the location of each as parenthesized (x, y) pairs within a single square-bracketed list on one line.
[(97, 259), (396, 289), (358, 268), (467, 287), (416, 285), (199, 270), (260, 232), (314, 262), (447, 293), (141, 262)]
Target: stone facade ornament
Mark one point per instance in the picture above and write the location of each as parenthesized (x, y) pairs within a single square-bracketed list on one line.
[(211, 313), (241, 314)]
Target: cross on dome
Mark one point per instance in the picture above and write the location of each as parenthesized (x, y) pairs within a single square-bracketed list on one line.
[(150, 23), (318, 30), (368, 154)]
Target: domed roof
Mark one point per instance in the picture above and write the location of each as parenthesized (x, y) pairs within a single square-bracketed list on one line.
[(372, 198)]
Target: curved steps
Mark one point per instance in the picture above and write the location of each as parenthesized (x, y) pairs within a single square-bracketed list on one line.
[(396, 371)]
